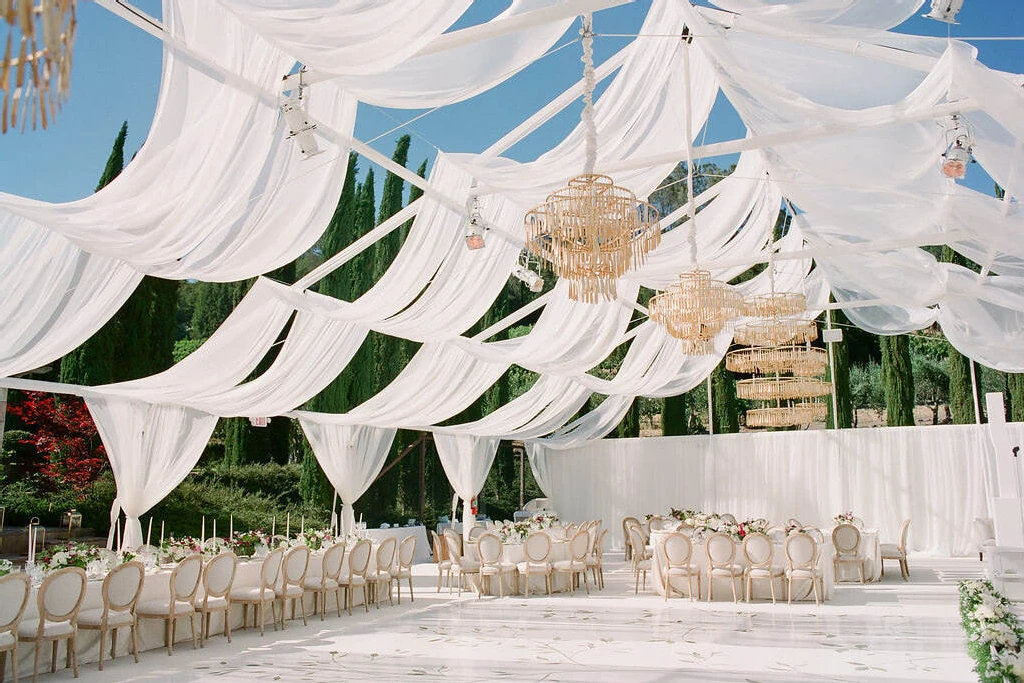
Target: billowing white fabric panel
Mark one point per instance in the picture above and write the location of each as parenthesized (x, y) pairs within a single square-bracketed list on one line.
[(351, 457), (151, 448), (539, 466), (932, 475), (349, 36), (55, 295), (466, 460), (862, 13)]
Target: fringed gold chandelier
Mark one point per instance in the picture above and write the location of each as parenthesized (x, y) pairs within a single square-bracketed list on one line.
[(803, 361), (592, 231), (35, 72), (695, 309)]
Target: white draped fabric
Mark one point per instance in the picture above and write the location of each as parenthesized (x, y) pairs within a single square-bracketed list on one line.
[(466, 460), (151, 448), (351, 456), (862, 13), (883, 475)]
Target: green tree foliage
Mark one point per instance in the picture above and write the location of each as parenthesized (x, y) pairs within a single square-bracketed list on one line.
[(841, 377), (931, 383), (897, 381), (725, 407), (115, 162), (961, 387), (866, 391)]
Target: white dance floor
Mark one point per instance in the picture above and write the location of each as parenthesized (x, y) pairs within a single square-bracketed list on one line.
[(888, 631)]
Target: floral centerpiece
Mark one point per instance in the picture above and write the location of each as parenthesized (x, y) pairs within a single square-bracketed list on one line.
[(516, 532), (177, 549), (314, 539), (994, 636), (751, 526), (70, 555), (245, 543), (845, 517), (6, 567)]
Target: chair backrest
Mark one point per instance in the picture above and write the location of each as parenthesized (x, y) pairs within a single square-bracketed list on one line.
[(14, 592), (579, 546), (386, 554), (271, 569), (795, 523), (858, 522), (122, 586), (983, 530), (185, 578), (406, 552), (359, 557), (758, 550), (728, 518), (476, 532), (449, 536), (598, 549), (636, 542), (903, 535), (846, 539), (677, 549), (720, 549), (440, 549), (489, 547), (219, 575), (296, 562), (334, 557), (815, 533), (537, 547), (801, 551), (61, 595)]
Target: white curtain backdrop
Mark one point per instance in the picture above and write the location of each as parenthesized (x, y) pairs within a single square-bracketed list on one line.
[(466, 460), (151, 448), (351, 457), (931, 475)]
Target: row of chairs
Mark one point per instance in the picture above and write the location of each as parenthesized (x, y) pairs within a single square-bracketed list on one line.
[(196, 590), (585, 554)]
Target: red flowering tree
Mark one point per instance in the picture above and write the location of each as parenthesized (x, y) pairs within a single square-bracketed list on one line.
[(65, 437)]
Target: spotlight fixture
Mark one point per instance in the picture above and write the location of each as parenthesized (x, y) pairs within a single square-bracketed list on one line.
[(958, 149), (534, 282), (300, 127), (474, 229), (944, 10)]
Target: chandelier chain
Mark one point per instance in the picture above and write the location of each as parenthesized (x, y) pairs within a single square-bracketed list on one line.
[(589, 84), (689, 155)]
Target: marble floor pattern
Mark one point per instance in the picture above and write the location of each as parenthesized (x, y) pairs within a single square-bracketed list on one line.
[(888, 631)]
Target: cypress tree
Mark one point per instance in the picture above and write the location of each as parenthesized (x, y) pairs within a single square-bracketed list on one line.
[(115, 162), (726, 409), (897, 381), (841, 379), (674, 420), (363, 376), (1015, 382), (961, 399)]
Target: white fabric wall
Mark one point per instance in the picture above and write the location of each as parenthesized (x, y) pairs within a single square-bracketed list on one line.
[(933, 475)]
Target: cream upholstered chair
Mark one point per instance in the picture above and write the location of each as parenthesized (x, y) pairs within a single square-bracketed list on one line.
[(358, 564), (846, 541), (260, 596), (491, 562), (728, 518), (218, 578), (455, 537), (321, 586), (576, 565), (403, 566), (476, 532), (595, 558), (59, 599), (638, 553), (898, 552), (721, 551), (678, 550), (461, 566), (14, 592), (984, 536), (802, 565), (381, 576), (626, 523), (121, 590), (441, 559), (293, 574), (537, 551), (180, 602), (759, 553)]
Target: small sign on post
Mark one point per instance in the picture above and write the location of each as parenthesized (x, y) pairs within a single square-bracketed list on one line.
[(259, 421), (832, 336)]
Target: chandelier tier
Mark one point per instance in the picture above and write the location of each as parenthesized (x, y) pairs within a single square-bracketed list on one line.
[(775, 305), (803, 361), (776, 332), (592, 232), (35, 68), (694, 309), (777, 388)]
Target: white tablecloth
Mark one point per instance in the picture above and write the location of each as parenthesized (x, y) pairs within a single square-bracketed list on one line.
[(870, 553), (699, 559), (513, 553), (398, 533)]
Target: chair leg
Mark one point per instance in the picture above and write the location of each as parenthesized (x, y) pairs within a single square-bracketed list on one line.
[(905, 569), (366, 601), (771, 584), (814, 584), (789, 590), (412, 598), (53, 657), (302, 606), (711, 587), (72, 645), (14, 662), (35, 668), (732, 583), (192, 627), (103, 645), (169, 636)]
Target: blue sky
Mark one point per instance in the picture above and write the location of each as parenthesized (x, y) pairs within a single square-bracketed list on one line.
[(117, 72)]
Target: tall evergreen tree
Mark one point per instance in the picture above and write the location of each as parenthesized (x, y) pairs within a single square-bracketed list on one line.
[(841, 379), (897, 381), (1015, 381), (961, 388), (674, 416), (723, 394), (115, 162)]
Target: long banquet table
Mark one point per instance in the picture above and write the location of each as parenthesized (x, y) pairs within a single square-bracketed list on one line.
[(513, 553)]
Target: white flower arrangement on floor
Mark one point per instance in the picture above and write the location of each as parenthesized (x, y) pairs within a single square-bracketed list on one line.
[(994, 636), (516, 532)]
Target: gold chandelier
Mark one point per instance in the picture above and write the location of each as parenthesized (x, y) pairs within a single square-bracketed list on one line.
[(35, 70), (777, 388), (776, 331), (694, 309), (591, 232), (803, 361)]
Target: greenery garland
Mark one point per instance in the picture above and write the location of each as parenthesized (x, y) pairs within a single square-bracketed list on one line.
[(994, 637)]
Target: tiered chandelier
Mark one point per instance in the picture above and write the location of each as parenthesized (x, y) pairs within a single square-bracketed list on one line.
[(592, 231), (35, 69), (786, 369)]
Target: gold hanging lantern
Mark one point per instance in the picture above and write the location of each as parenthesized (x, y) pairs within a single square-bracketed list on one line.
[(694, 309), (591, 233), (776, 331), (803, 361), (780, 416), (35, 69), (781, 388), (775, 305)]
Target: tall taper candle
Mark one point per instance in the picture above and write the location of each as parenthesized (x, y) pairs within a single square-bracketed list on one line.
[(273, 526), (231, 525), (161, 532), (149, 531), (119, 533), (202, 539), (214, 527), (302, 525), (288, 525)]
